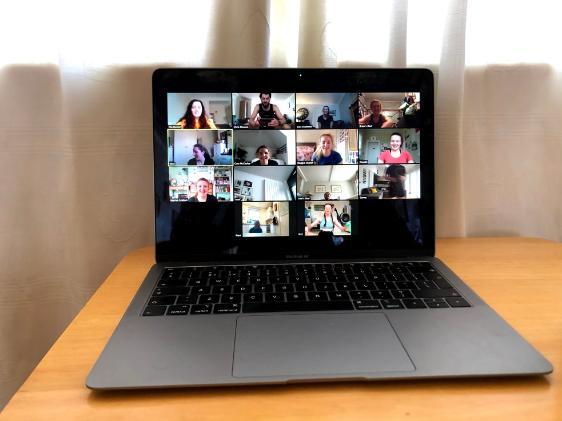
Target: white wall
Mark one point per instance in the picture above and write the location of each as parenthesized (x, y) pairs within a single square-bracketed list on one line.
[(258, 188)]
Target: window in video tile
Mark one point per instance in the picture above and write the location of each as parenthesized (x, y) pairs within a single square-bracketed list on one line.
[(325, 110), (329, 182), (394, 181), (327, 218), (199, 110), (398, 146), (264, 147), (327, 147), (200, 184), (200, 147), (264, 110), (265, 219), (386, 110), (257, 184)]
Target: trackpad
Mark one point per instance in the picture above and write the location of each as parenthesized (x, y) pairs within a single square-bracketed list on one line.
[(317, 344)]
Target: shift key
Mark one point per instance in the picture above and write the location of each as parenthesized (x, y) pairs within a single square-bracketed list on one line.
[(435, 293)]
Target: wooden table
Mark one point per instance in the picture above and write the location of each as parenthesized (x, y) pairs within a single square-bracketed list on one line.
[(521, 278)]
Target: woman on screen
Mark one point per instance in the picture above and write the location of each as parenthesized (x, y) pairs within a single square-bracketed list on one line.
[(327, 222), (263, 157), (324, 154), (202, 195), (195, 117), (396, 155), (375, 118), (200, 156)]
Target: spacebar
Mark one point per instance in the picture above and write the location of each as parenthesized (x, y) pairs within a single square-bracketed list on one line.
[(296, 306)]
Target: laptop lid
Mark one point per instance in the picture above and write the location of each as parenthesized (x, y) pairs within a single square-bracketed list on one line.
[(277, 164)]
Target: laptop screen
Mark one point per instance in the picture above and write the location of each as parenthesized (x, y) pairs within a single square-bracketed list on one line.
[(271, 173)]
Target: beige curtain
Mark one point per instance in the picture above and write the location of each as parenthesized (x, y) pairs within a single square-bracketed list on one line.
[(75, 124)]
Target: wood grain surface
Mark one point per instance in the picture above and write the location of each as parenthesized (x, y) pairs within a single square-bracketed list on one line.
[(521, 278)]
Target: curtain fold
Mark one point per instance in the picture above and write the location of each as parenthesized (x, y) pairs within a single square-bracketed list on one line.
[(75, 125)]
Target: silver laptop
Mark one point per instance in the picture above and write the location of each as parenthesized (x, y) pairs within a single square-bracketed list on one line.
[(295, 239)]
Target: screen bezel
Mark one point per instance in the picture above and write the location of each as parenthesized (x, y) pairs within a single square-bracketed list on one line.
[(166, 81)]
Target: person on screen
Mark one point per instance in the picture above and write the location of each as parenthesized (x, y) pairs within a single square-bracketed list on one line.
[(396, 175), (375, 118), (324, 154), (203, 195), (325, 121), (195, 117), (266, 114), (200, 156), (256, 229), (327, 222), (262, 152), (396, 155)]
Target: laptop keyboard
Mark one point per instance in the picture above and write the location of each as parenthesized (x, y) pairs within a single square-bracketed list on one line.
[(194, 290)]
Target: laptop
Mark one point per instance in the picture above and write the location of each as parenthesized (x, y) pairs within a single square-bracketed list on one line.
[(301, 250)]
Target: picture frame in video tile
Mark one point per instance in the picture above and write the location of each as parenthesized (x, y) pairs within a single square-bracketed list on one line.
[(389, 146), (200, 110), (386, 110), (327, 147), (264, 147), (389, 181), (326, 110), (259, 184), (200, 147), (265, 219), (327, 218), (327, 182), (183, 183), (263, 110)]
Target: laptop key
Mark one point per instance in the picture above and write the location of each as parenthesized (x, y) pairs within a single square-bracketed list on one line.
[(413, 303), (338, 296), (296, 296), (391, 304), (318, 296), (401, 293), (154, 311), (158, 292), (457, 302), (381, 295), (209, 299), (274, 297), (187, 299), (201, 309), (226, 308), (231, 298), (425, 285), (263, 288), (296, 306), (304, 287), (367, 305), (201, 290), (283, 288), (178, 310), (435, 293), (360, 295), (436, 303), (241, 289), (164, 300)]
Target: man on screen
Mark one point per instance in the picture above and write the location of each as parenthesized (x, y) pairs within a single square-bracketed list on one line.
[(266, 115)]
